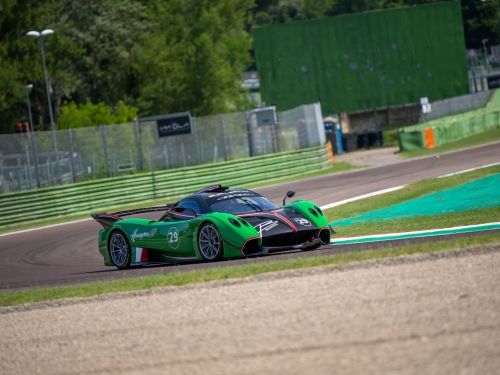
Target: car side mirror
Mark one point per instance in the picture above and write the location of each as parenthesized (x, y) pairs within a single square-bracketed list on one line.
[(289, 194)]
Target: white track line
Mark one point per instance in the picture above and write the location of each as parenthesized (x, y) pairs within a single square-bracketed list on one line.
[(45, 227), (413, 232), (469, 170), (359, 197)]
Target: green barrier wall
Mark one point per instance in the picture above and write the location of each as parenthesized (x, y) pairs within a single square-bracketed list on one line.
[(365, 60), (453, 128), (91, 196)]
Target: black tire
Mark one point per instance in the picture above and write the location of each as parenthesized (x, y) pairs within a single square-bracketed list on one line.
[(119, 250), (210, 242)]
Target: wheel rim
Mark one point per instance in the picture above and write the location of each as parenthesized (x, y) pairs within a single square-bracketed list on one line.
[(209, 242), (118, 249)]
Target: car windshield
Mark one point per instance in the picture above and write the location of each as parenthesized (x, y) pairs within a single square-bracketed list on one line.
[(241, 205)]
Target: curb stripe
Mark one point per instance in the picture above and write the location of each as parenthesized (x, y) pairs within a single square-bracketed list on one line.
[(416, 234), (359, 197), (468, 170)]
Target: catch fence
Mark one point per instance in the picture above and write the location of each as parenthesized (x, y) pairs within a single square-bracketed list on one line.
[(29, 161)]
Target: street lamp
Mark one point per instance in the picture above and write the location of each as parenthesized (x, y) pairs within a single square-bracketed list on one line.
[(41, 35), (28, 88)]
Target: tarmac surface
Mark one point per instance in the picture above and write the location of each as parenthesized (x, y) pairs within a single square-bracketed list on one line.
[(422, 314), (68, 254)]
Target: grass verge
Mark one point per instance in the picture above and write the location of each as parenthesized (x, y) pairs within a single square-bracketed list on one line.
[(413, 191), (12, 298), (476, 140), (337, 168), (487, 215)]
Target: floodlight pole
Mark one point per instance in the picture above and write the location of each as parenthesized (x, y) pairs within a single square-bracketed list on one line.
[(251, 145), (484, 41), (32, 133), (41, 35)]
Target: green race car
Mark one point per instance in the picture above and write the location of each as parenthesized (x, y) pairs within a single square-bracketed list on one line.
[(211, 224)]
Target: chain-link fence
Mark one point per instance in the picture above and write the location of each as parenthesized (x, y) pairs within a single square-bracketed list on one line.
[(35, 160), (458, 104)]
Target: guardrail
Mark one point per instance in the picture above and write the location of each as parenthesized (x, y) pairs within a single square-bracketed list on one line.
[(89, 196)]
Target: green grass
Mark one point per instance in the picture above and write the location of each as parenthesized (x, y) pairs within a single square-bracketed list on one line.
[(11, 298), (336, 168), (476, 140), (413, 191), (390, 138), (486, 215)]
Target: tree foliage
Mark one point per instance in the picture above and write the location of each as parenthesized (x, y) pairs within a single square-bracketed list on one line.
[(85, 115), (159, 56), (194, 57)]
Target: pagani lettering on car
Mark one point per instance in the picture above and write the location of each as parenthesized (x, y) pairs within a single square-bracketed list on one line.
[(211, 224)]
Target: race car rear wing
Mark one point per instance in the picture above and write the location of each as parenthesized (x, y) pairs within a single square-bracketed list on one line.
[(107, 219)]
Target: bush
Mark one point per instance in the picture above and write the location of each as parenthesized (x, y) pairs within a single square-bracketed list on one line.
[(390, 138), (86, 115)]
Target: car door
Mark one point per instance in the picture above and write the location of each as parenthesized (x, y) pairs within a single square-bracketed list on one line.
[(175, 237)]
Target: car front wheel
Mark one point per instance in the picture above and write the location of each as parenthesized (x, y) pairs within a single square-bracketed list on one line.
[(210, 242)]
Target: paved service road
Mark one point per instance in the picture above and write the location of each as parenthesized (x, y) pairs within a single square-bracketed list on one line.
[(425, 314), (68, 253)]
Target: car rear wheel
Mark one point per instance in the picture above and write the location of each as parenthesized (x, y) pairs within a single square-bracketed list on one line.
[(119, 250), (209, 242)]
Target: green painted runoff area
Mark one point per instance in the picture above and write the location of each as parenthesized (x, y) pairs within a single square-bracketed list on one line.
[(477, 194)]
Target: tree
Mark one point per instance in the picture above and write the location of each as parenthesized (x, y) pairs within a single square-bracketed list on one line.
[(161, 56), (194, 58), (86, 115), (481, 21)]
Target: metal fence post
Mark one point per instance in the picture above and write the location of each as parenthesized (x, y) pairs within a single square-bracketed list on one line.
[(153, 181), (71, 153), (28, 163), (223, 136), (197, 146), (138, 144), (105, 148), (165, 154), (251, 146), (183, 154), (35, 155)]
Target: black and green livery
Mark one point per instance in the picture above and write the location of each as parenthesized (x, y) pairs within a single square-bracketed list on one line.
[(213, 223)]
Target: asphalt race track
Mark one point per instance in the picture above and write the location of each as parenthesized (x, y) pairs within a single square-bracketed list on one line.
[(68, 254)]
